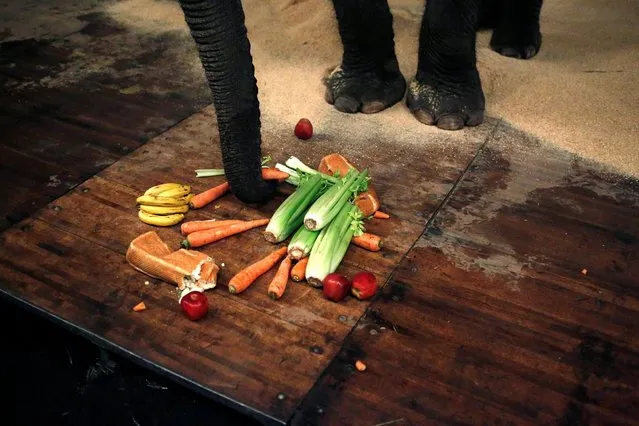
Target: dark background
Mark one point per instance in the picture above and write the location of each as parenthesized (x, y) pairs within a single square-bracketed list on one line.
[(54, 377)]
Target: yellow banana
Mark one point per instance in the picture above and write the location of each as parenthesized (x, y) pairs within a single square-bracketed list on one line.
[(154, 200), (164, 210), (176, 192), (157, 189), (152, 219)]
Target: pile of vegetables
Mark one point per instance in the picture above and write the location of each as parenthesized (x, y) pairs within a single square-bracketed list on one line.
[(322, 217), (323, 220)]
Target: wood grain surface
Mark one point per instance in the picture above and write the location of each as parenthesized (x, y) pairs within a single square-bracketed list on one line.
[(520, 305), (73, 104), (259, 355)]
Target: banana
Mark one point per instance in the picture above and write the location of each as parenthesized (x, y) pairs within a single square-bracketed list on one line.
[(152, 219), (154, 200), (164, 210), (157, 189), (176, 192)]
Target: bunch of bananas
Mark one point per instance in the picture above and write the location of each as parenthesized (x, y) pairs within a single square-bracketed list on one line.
[(165, 204)]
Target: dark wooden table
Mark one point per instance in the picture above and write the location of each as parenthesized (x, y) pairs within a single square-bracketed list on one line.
[(510, 267)]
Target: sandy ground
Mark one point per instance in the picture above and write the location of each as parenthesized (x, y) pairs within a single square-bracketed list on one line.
[(578, 93)]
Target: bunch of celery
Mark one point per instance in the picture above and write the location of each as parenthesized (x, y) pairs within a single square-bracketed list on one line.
[(332, 243), (290, 214), (321, 214)]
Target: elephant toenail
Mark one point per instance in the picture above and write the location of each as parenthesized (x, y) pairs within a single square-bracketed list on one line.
[(475, 118), (346, 104), (450, 122), (511, 52), (328, 96), (424, 117), (530, 52), (373, 107)]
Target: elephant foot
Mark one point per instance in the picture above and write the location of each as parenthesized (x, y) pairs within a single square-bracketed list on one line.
[(516, 44), (364, 91), (448, 106)]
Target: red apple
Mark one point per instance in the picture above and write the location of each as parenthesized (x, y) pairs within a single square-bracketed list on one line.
[(195, 305), (336, 287), (364, 285), (304, 129)]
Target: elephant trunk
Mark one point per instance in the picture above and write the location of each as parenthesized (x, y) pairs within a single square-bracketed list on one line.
[(218, 29)]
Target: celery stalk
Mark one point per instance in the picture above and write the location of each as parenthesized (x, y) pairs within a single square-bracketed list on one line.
[(302, 243), (220, 172), (331, 245), (296, 164), (290, 214), (324, 210)]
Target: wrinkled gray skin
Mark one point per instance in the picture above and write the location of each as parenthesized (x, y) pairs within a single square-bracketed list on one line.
[(446, 90)]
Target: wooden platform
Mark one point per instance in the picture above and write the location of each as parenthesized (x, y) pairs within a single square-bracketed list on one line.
[(487, 317), (511, 268)]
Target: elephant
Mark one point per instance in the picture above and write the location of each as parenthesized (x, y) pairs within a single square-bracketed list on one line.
[(445, 91)]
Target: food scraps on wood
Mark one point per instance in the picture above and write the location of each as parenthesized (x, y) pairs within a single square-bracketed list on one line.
[(360, 366), (139, 307), (247, 276), (278, 285), (368, 241), (211, 235), (164, 204), (584, 271), (364, 285), (324, 216), (336, 287), (195, 305), (187, 269), (298, 272)]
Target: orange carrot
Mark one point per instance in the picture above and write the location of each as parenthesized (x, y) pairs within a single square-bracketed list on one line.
[(208, 196), (298, 272), (381, 215), (207, 236), (368, 241), (278, 285), (139, 307), (271, 173), (247, 276), (200, 225)]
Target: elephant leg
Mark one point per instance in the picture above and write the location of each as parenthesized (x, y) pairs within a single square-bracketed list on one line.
[(517, 32), (446, 90), (369, 79), (218, 29)]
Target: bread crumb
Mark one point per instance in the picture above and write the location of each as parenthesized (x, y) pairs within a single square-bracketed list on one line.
[(584, 271), (360, 365)]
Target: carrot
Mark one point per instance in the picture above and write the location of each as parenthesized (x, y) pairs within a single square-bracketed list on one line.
[(278, 285), (139, 307), (298, 272), (200, 225), (271, 173), (207, 236), (208, 196), (247, 276), (368, 241), (381, 215)]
